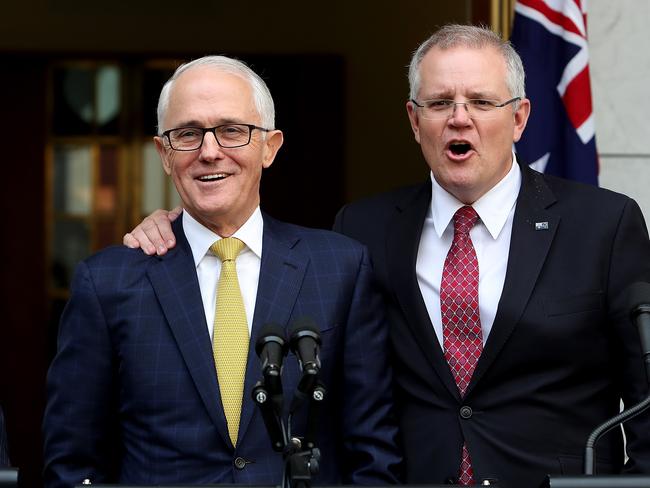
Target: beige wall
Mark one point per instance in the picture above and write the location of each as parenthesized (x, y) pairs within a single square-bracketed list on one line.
[(375, 39), (620, 68)]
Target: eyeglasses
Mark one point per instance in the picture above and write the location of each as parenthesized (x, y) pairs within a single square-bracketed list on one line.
[(439, 109), (227, 136)]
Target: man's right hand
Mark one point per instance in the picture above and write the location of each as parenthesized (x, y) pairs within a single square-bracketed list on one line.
[(154, 234)]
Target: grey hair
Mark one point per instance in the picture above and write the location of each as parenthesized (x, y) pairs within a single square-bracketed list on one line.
[(475, 37), (261, 94)]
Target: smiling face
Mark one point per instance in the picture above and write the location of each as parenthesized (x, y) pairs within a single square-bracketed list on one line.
[(467, 157), (219, 187)]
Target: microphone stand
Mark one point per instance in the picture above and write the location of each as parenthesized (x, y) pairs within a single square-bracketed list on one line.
[(271, 408), (639, 294), (301, 457), (640, 316), (588, 479), (605, 427)]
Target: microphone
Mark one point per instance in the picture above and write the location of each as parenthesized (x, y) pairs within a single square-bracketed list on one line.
[(639, 306), (271, 347), (304, 340)]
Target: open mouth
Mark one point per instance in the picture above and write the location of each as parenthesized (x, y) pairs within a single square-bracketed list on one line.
[(460, 148), (214, 177)]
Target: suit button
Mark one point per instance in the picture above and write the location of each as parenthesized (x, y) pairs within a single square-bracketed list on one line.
[(240, 463), (466, 412)]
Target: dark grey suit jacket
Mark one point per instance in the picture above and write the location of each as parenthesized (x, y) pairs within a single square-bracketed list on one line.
[(560, 355)]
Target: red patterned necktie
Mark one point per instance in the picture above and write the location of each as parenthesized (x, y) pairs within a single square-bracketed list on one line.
[(461, 323)]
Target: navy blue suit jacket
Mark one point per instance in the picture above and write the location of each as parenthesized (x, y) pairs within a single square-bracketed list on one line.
[(133, 394), (562, 350)]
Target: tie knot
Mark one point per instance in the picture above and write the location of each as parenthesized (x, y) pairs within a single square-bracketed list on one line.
[(464, 219), (227, 249)]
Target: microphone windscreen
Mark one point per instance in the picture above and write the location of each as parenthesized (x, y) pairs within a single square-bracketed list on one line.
[(271, 332), (638, 294), (303, 324)]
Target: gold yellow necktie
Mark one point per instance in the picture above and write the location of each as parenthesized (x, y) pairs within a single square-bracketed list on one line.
[(230, 334)]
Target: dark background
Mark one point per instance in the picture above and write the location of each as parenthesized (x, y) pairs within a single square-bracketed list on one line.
[(365, 46)]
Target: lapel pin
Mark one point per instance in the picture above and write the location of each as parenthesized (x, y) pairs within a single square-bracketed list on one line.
[(541, 225)]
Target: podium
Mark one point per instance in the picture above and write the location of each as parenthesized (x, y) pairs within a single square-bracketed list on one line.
[(8, 478), (595, 481), (621, 481)]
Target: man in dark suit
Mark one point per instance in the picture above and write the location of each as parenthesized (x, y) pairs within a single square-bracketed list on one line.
[(505, 287), (134, 394), (554, 257)]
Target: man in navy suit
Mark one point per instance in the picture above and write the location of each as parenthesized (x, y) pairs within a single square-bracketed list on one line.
[(557, 349), (133, 394)]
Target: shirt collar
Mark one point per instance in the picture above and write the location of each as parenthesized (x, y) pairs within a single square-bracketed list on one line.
[(201, 238), (493, 208)]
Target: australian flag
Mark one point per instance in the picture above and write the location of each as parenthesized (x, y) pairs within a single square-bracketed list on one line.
[(551, 38)]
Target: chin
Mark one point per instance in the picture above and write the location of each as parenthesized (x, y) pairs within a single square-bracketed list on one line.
[(209, 210), (460, 176)]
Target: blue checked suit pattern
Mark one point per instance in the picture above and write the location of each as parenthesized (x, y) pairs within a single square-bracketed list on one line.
[(134, 368)]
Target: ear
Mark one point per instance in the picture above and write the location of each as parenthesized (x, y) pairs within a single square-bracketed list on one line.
[(521, 119), (272, 144), (163, 152), (412, 111)]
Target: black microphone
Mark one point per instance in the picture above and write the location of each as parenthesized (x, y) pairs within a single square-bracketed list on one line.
[(639, 306), (304, 340), (271, 347)]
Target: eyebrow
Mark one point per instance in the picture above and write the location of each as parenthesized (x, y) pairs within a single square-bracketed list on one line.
[(196, 123), (437, 96), (483, 95), (473, 95)]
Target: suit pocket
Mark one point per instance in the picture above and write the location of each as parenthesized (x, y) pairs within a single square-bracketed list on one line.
[(329, 337), (574, 304), (328, 328)]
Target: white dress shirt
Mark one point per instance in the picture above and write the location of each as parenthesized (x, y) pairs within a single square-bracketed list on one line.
[(491, 238), (208, 266)]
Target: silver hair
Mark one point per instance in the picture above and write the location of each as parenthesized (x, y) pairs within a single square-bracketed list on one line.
[(261, 94), (475, 37)]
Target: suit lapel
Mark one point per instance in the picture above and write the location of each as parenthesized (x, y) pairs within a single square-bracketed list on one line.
[(401, 255), (174, 280), (533, 230), (282, 272)]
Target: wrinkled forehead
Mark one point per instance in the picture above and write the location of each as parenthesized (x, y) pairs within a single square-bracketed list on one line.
[(460, 70), (205, 94)]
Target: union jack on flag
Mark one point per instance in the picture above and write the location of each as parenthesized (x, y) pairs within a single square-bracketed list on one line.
[(551, 38)]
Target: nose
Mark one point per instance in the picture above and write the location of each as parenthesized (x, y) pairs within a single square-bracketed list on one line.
[(460, 114), (210, 149)]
